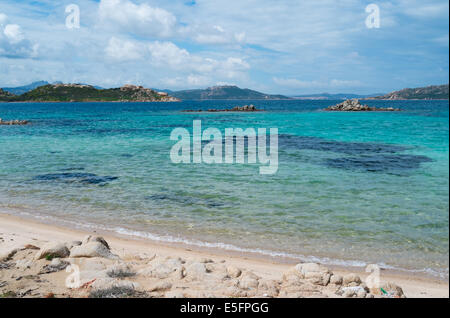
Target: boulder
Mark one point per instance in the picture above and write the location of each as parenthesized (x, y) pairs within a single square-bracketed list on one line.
[(90, 238), (56, 265), (314, 273), (336, 279), (233, 271), (92, 249), (351, 279), (53, 250), (164, 268), (72, 244), (196, 271)]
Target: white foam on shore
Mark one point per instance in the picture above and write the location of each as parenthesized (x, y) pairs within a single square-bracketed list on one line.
[(443, 274)]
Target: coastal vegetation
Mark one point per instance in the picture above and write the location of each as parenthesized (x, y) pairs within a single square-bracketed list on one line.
[(87, 93)]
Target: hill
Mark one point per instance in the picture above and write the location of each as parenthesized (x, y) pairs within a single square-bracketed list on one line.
[(5, 96), (87, 93), (429, 92), (224, 92)]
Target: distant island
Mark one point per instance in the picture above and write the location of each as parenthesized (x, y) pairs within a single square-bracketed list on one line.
[(427, 93), (43, 91), (229, 92), (87, 93)]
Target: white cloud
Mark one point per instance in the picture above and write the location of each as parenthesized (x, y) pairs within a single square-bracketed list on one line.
[(295, 83), (167, 54), (123, 50), (424, 9), (13, 43), (344, 83), (140, 19), (3, 18), (13, 33)]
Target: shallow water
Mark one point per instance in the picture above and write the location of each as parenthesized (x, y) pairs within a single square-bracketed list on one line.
[(351, 188)]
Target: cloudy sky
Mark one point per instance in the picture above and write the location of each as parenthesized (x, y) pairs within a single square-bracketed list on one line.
[(282, 46)]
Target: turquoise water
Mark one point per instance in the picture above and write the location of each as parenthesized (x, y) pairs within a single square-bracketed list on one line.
[(351, 188)]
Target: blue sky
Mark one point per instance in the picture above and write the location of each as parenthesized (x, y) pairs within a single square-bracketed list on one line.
[(286, 47)]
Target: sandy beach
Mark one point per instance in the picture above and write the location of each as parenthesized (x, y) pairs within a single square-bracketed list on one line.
[(137, 268)]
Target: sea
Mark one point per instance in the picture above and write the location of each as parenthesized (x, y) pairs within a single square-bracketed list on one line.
[(351, 189)]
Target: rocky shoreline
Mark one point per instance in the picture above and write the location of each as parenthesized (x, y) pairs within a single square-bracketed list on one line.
[(91, 268), (246, 108), (353, 105)]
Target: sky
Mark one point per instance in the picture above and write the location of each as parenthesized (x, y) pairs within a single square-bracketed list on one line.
[(287, 47)]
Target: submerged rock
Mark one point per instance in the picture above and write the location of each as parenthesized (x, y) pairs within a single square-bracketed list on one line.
[(245, 108), (13, 122)]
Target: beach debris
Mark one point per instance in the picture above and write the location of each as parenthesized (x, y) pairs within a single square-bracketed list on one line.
[(353, 105), (53, 250), (390, 290)]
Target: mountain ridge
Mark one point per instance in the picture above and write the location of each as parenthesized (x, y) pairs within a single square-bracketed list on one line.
[(432, 92)]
